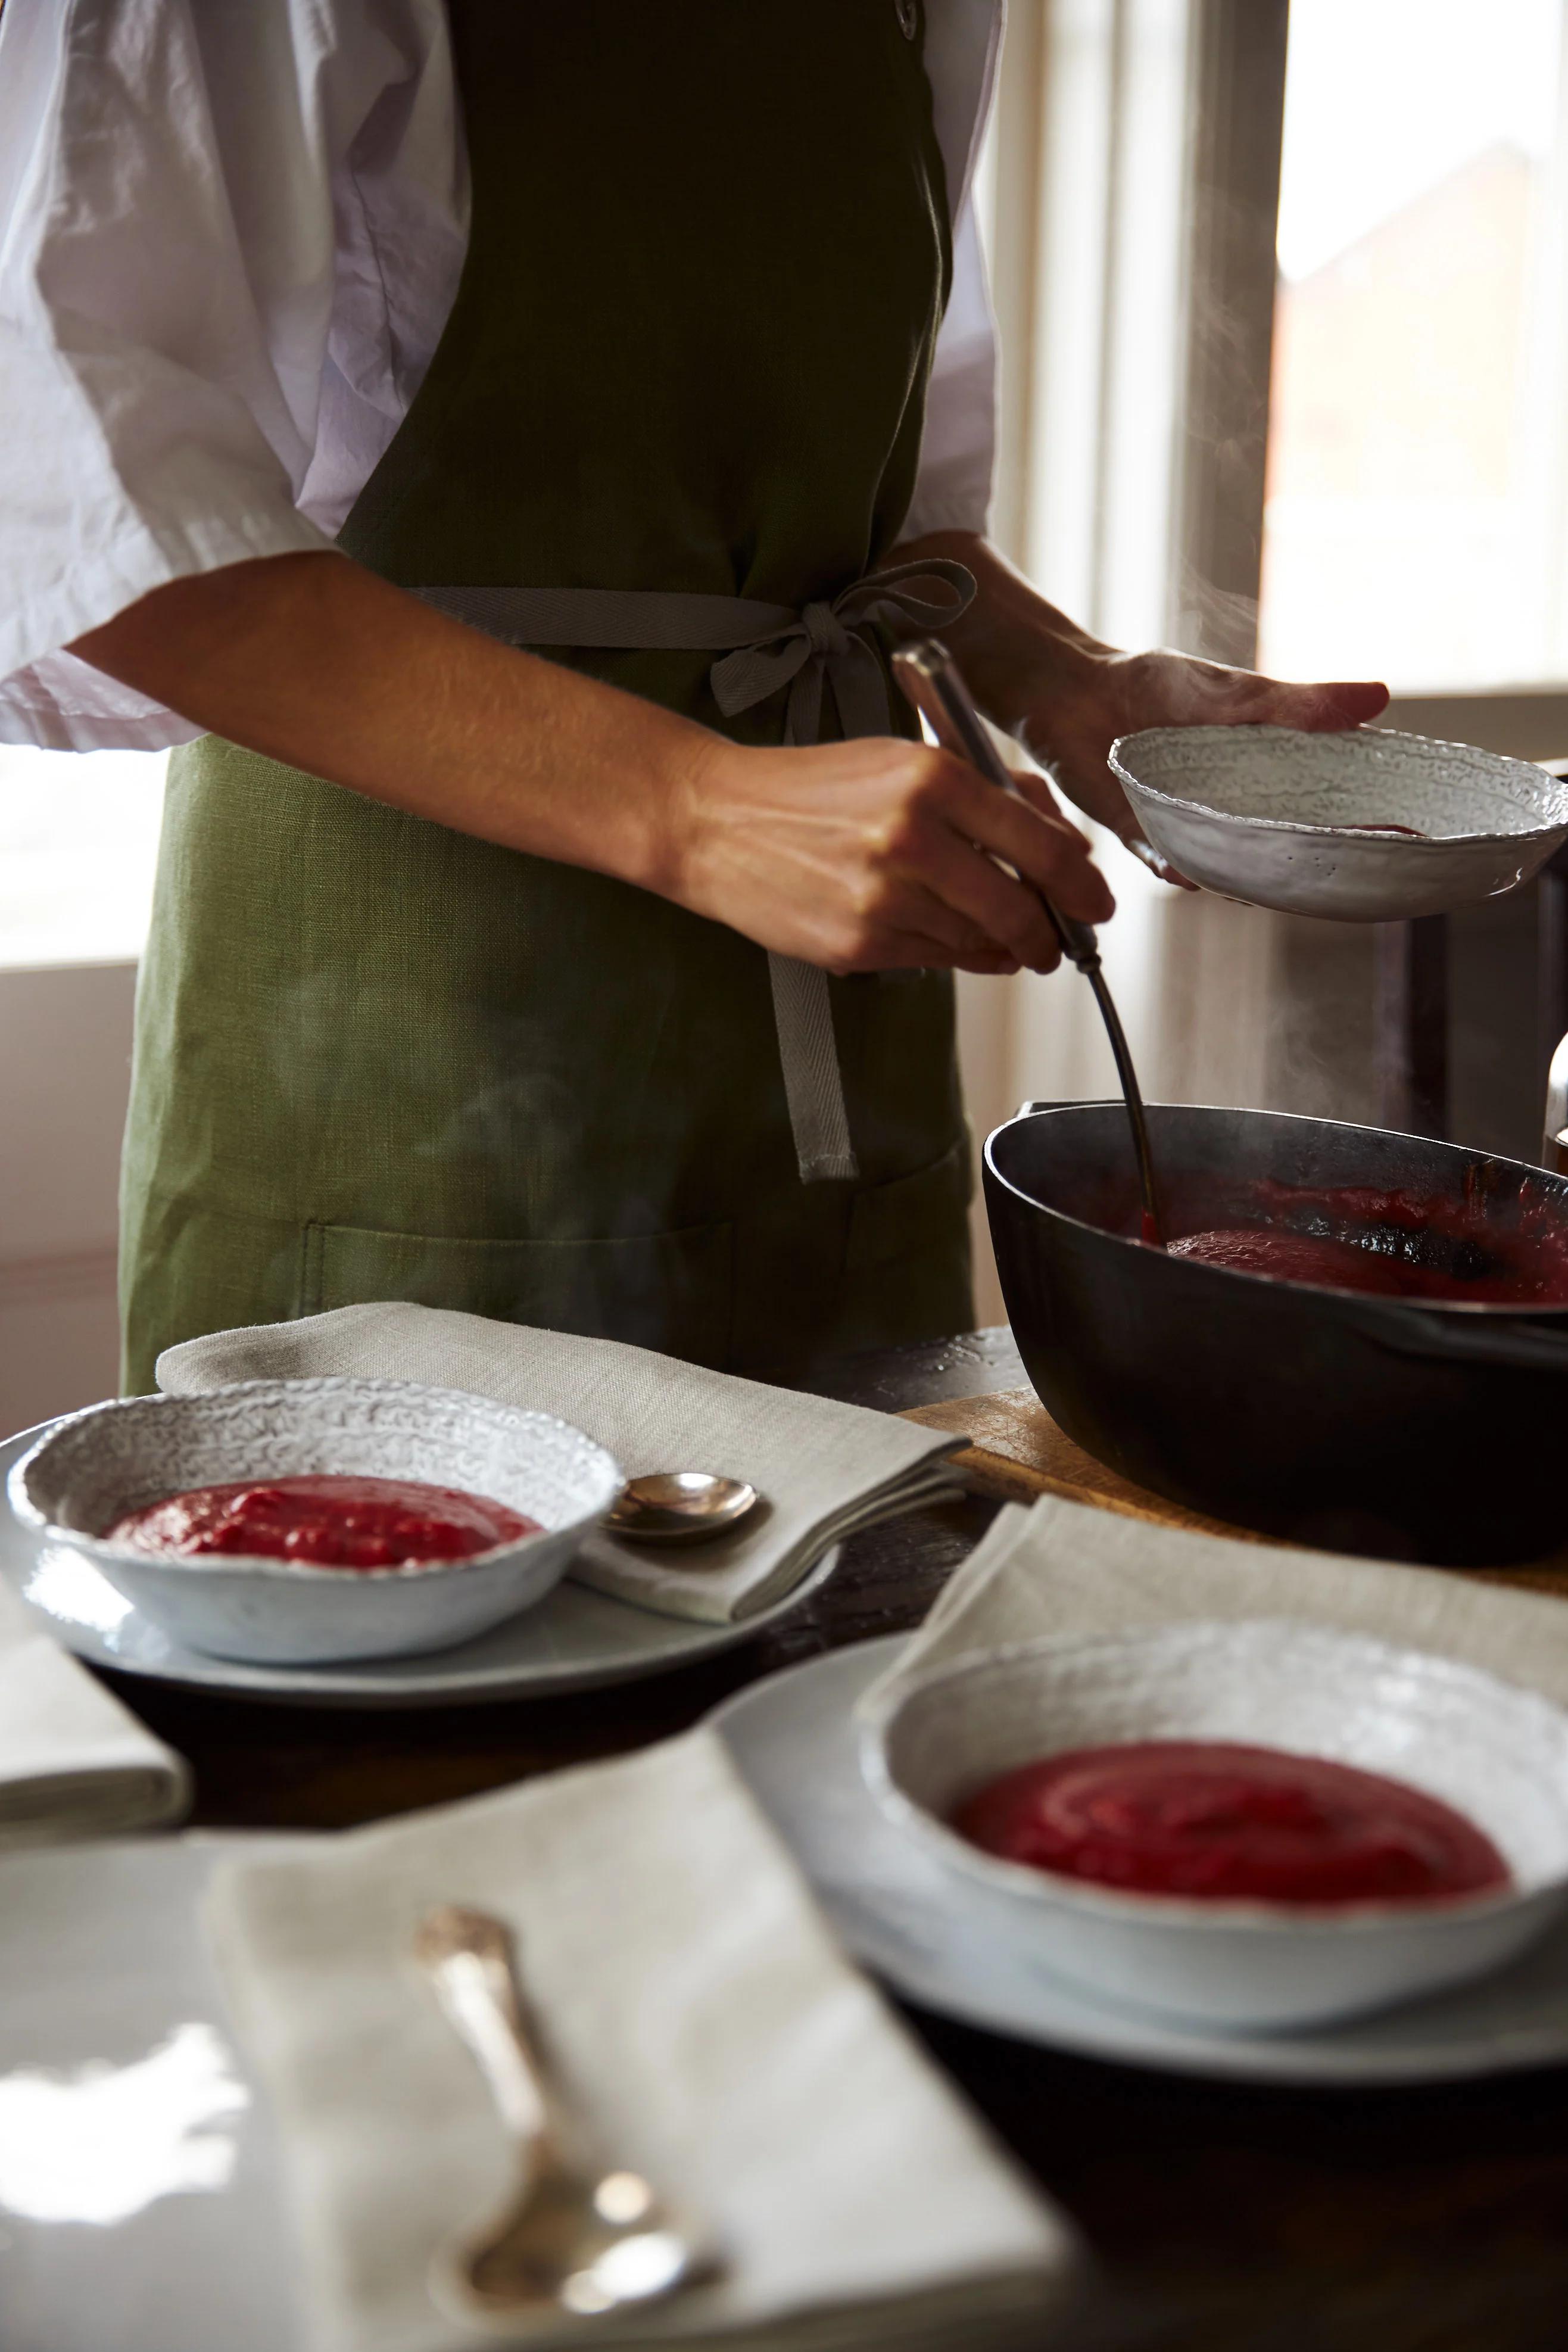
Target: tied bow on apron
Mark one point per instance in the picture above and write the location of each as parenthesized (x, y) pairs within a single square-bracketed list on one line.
[(826, 646)]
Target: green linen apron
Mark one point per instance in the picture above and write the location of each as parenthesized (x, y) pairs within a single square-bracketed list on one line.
[(377, 1058)]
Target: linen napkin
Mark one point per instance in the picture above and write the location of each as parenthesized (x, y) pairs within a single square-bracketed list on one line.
[(701, 2022), (823, 1469), (74, 1763), (1070, 1567)]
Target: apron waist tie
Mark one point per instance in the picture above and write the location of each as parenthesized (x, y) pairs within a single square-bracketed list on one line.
[(764, 648)]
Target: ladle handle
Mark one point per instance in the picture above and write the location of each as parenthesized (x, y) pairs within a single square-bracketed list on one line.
[(930, 678), (933, 686)]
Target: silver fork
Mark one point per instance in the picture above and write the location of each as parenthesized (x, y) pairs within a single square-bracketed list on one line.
[(571, 2239)]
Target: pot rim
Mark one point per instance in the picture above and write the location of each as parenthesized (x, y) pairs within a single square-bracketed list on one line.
[(1188, 1268)]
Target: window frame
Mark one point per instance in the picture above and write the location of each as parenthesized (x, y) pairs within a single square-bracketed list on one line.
[(1220, 356)]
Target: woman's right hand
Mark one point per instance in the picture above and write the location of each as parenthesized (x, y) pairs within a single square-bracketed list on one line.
[(877, 854)]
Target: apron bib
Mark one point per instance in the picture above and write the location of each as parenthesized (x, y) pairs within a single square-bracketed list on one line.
[(379, 1059)]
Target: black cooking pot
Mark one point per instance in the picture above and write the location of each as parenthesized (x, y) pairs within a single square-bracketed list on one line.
[(1414, 1430)]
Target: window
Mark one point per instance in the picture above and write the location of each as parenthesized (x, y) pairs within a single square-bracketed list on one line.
[(1284, 302), (79, 839), (1417, 516)]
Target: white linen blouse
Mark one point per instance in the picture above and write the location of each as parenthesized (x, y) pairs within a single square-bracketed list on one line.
[(229, 240)]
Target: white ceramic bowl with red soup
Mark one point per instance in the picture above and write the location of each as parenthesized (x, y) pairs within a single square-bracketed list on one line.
[(98, 1467), (1047, 1726)]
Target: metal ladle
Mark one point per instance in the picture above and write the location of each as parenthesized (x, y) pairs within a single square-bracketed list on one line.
[(930, 678), (680, 1507)]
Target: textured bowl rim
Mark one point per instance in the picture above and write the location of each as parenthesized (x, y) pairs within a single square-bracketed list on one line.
[(247, 1564), (1048, 1889), (1196, 1265), (1358, 836)]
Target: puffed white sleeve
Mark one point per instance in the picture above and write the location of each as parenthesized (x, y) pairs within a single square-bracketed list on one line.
[(957, 451), (228, 237)]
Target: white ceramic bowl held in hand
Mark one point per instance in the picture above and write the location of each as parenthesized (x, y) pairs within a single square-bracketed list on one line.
[(90, 1470), (1496, 1753), (1277, 818)]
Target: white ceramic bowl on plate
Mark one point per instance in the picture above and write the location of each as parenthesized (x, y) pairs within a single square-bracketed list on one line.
[(1496, 1753), (1271, 815), (93, 1468)]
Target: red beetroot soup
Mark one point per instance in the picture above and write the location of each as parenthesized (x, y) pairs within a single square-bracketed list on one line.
[(1219, 1819), (1396, 1244), (325, 1522)]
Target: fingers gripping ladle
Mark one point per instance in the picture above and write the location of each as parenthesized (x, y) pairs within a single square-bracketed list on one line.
[(931, 680)]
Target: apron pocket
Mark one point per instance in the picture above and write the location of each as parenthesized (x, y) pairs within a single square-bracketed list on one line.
[(906, 1258), (913, 1214), (669, 1291), (906, 1217)]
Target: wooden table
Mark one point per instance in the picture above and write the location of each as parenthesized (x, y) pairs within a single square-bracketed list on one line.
[(1224, 2219)]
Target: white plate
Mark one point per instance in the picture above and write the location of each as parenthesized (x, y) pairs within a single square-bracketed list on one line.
[(139, 2171), (792, 1737), (575, 1640)]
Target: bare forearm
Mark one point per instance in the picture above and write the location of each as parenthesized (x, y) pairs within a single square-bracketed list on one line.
[(855, 855), (1012, 643), (316, 661)]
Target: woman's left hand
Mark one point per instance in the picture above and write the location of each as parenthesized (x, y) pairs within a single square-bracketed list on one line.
[(1067, 696), (1085, 702)]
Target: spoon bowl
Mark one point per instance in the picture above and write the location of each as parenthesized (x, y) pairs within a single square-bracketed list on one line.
[(568, 2243), (680, 1506)]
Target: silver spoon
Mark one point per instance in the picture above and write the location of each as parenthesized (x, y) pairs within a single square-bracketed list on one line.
[(573, 2240), (680, 1507)]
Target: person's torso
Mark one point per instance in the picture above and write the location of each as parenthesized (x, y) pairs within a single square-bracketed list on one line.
[(708, 259)]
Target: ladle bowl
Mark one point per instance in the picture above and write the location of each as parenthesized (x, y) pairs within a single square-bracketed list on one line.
[(1410, 1429)]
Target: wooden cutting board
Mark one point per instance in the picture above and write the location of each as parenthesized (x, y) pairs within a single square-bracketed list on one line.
[(1016, 1451)]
